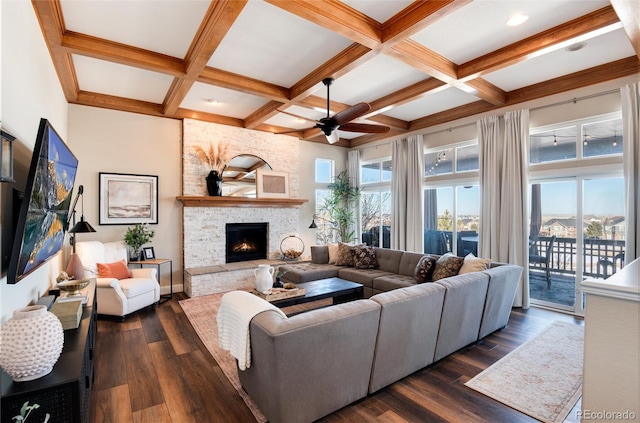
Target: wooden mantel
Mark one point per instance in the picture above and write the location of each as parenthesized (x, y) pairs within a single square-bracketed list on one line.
[(197, 201)]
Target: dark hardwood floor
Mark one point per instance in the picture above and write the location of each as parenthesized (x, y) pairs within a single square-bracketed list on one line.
[(154, 368)]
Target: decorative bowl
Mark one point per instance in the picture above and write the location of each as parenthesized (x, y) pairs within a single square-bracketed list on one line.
[(73, 287)]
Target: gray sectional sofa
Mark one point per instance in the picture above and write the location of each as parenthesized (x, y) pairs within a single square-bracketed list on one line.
[(312, 364)]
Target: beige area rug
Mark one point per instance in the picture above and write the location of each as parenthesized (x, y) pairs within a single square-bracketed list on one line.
[(202, 312), (542, 377)]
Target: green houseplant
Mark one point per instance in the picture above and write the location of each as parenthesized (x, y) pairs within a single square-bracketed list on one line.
[(136, 237), (340, 205)]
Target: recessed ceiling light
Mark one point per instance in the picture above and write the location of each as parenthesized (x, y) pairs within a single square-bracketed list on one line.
[(576, 46), (517, 19), (212, 101)]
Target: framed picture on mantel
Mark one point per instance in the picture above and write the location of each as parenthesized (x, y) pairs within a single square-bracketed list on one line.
[(128, 199), (272, 184)]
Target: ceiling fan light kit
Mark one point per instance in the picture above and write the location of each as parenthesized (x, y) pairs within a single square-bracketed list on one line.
[(341, 120)]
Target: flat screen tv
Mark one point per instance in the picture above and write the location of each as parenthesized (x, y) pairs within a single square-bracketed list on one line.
[(43, 216)]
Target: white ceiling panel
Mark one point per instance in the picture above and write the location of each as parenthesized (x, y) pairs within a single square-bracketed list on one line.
[(380, 10), (376, 78), (162, 26), (480, 27), (432, 103), (287, 121), (119, 80), (606, 48), (227, 102), (272, 45)]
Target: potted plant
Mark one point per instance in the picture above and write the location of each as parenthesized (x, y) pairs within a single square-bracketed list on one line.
[(341, 205), (135, 238), (215, 158)]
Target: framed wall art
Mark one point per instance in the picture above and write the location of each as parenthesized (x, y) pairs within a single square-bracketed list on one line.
[(272, 184), (127, 199)]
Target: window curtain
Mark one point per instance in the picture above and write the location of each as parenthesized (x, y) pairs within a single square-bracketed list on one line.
[(353, 173), (503, 185), (407, 162), (631, 151)]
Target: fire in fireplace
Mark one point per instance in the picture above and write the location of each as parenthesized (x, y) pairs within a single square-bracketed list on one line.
[(246, 241)]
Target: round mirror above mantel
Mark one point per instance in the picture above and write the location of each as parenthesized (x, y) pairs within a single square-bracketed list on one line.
[(239, 175)]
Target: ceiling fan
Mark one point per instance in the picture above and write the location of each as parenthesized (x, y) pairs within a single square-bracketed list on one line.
[(341, 120)]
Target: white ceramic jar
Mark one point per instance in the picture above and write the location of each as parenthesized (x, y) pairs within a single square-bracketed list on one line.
[(30, 343), (264, 277)]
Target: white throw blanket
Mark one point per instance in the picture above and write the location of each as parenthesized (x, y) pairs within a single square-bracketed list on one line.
[(237, 308)]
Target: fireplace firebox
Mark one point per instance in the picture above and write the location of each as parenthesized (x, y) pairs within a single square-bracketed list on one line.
[(246, 241)]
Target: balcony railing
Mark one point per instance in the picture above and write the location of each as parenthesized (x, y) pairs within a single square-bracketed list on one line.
[(601, 257)]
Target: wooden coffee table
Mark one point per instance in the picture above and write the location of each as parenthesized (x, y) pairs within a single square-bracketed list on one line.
[(339, 289)]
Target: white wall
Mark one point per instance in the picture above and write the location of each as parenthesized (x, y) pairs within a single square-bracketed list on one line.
[(120, 142), (30, 90)]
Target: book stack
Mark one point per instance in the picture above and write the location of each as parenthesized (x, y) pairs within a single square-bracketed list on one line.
[(69, 313)]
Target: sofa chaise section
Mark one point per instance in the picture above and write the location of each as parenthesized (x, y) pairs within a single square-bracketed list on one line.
[(407, 333), (504, 280), (311, 364)]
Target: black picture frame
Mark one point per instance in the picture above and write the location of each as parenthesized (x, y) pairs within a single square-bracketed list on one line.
[(127, 199), (148, 253)]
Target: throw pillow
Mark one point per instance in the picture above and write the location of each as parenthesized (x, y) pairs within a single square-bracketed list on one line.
[(365, 258), (333, 252), (424, 269), (473, 264), (447, 265), (118, 270), (345, 254)]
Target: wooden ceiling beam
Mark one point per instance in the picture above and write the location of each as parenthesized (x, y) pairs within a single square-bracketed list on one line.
[(87, 98), (233, 81), (215, 25), (488, 92), (425, 60), (416, 17), (208, 117), (524, 49), (49, 14), (98, 48), (264, 113), (336, 17), (407, 94), (628, 12)]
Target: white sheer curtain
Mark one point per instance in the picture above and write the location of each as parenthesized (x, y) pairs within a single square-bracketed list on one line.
[(353, 173), (503, 187), (513, 209), (407, 162), (490, 145), (630, 95)]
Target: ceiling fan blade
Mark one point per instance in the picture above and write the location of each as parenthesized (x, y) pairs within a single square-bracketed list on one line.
[(333, 138), (351, 113), (297, 116), (364, 127)]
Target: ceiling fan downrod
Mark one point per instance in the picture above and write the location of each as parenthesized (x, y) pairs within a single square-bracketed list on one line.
[(327, 82)]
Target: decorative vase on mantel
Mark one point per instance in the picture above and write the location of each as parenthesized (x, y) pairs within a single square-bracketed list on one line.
[(214, 183), (30, 343)]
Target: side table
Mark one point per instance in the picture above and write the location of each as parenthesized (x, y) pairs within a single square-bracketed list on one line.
[(158, 262)]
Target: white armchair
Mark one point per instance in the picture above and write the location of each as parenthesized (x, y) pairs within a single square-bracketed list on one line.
[(118, 297)]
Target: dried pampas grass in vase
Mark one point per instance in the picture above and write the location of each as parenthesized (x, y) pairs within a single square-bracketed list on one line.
[(215, 158)]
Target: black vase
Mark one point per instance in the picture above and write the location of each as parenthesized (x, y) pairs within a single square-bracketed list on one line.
[(214, 183)]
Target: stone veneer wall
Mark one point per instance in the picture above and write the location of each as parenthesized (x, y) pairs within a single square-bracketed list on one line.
[(204, 227)]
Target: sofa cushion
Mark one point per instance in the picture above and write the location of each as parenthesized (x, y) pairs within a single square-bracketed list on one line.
[(473, 264), (333, 252), (306, 272), (388, 260), (118, 270), (408, 263), (363, 276), (447, 265), (423, 272), (319, 254), (391, 282), (135, 286), (364, 258), (345, 254)]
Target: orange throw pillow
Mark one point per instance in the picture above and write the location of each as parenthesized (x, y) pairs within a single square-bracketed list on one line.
[(118, 270)]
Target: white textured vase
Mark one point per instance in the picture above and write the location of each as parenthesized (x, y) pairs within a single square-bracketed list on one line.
[(264, 277), (30, 343)]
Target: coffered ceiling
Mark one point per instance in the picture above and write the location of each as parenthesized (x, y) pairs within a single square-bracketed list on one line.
[(417, 63)]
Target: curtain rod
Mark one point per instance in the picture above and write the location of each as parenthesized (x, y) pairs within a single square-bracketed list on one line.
[(573, 100)]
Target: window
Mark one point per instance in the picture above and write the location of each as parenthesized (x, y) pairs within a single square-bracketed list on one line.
[(441, 161), (378, 171), (324, 171), (326, 231), (592, 137), (375, 218), (467, 158)]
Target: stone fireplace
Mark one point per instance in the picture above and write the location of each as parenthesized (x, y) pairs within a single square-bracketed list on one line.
[(204, 228)]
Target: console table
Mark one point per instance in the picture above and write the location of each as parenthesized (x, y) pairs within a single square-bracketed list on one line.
[(65, 392)]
